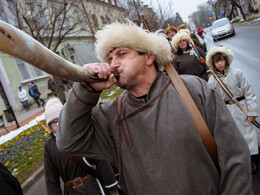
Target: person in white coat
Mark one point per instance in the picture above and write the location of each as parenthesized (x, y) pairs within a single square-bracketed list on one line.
[(220, 58), (22, 94)]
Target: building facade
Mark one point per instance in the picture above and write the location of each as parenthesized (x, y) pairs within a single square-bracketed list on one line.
[(84, 17), (256, 5)]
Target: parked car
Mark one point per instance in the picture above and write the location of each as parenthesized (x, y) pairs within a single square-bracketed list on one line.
[(222, 28)]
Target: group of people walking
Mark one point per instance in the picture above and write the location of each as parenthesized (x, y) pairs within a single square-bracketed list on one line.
[(33, 92), (187, 60)]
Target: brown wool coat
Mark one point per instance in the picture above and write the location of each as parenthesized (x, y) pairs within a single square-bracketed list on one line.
[(57, 164), (187, 63), (155, 145)]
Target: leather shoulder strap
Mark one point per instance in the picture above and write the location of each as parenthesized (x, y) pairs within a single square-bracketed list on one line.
[(199, 121)]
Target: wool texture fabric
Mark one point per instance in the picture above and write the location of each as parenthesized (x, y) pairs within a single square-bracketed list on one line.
[(223, 50), (134, 37), (52, 110), (185, 31)]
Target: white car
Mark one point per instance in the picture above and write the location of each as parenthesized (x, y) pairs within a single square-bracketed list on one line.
[(222, 28)]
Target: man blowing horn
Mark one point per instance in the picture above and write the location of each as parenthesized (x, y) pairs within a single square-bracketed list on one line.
[(147, 132)]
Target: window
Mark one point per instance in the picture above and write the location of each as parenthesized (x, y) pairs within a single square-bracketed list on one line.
[(73, 60), (94, 19), (28, 6), (27, 72), (37, 71), (56, 11), (79, 20), (67, 21), (12, 7), (23, 69), (103, 19), (42, 11), (108, 19), (2, 12)]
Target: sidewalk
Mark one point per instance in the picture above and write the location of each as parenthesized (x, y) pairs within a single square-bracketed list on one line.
[(23, 117)]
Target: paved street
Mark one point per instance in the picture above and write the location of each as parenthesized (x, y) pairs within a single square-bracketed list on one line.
[(38, 187)]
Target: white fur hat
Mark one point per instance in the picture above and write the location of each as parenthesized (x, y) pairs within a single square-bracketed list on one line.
[(178, 37), (52, 110), (130, 35), (223, 50), (186, 31)]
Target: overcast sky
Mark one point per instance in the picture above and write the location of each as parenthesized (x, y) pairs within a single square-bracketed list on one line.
[(183, 7)]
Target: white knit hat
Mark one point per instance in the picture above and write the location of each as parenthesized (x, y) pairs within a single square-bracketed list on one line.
[(223, 50), (179, 37), (130, 35), (52, 110)]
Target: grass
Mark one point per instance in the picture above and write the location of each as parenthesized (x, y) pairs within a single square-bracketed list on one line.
[(111, 93), (23, 154), (31, 162)]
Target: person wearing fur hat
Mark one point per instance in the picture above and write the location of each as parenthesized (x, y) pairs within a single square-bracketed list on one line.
[(184, 28), (58, 164), (220, 59), (186, 59), (170, 31), (194, 38), (147, 132)]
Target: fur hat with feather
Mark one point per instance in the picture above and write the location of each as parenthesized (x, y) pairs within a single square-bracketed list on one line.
[(130, 35), (223, 50), (179, 37)]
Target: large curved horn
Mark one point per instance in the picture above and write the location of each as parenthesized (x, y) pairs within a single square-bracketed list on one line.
[(20, 45)]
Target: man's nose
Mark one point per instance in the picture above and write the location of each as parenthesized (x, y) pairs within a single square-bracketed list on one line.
[(114, 64)]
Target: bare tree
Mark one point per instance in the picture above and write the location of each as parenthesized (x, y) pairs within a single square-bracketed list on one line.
[(200, 17), (50, 23), (157, 18), (230, 3)]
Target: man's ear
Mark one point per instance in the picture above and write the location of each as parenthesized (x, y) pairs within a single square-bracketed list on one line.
[(150, 59)]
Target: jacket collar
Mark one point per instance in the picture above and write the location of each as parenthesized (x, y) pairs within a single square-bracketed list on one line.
[(156, 87), (226, 71)]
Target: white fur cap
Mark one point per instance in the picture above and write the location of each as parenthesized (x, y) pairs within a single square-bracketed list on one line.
[(183, 35), (186, 31), (130, 35), (52, 110), (223, 50)]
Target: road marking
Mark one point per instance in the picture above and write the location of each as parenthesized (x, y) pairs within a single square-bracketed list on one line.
[(243, 53), (249, 27)]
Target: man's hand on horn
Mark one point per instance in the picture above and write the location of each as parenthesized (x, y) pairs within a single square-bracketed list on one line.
[(103, 70)]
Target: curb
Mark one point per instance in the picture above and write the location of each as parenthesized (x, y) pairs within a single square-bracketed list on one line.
[(22, 123), (32, 179)]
